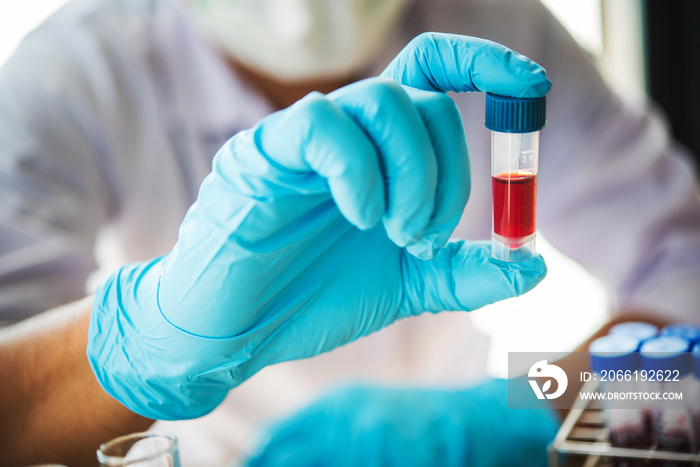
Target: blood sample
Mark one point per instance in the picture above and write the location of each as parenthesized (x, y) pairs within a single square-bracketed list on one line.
[(515, 125), (627, 427), (514, 201), (672, 430)]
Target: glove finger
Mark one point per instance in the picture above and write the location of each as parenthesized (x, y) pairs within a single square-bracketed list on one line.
[(464, 276), (444, 124), (390, 119), (449, 62), (315, 134)]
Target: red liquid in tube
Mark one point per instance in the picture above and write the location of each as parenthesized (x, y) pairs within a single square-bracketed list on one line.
[(514, 204)]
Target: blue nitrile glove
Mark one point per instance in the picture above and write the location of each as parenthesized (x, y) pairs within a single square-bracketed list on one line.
[(283, 255), (369, 426)]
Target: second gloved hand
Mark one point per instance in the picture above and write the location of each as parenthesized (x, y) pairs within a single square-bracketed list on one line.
[(307, 235), (369, 426)]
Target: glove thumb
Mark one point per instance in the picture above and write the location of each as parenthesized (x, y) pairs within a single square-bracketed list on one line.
[(464, 276)]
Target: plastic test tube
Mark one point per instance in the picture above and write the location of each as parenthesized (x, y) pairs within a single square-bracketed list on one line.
[(627, 428), (638, 329), (643, 332), (515, 126), (672, 427), (684, 330), (696, 394)]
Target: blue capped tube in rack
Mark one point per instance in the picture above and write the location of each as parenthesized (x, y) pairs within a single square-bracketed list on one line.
[(696, 394), (687, 331), (638, 329), (610, 355), (669, 360)]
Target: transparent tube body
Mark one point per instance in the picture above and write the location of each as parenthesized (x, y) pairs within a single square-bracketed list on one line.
[(695, 399), (514, 159), (672, 428), (695, 407), (627, 428)]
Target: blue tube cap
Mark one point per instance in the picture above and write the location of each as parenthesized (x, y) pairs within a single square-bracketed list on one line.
[(515, 114), (641, 331), (684, 330), (667, 353), (696, 360), (613, 353)]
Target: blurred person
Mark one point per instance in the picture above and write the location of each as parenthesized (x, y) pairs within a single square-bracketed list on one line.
[(253, 278), (116, 132)]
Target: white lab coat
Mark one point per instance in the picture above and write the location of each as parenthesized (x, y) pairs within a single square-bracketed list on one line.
[(111, 112)]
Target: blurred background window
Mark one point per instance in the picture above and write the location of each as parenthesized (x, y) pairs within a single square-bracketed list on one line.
[(672, 50)]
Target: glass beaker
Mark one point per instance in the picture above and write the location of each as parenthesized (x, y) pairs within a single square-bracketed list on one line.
[(146, 449)]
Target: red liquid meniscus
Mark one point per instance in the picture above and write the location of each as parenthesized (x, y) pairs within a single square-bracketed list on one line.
[(514, 204)]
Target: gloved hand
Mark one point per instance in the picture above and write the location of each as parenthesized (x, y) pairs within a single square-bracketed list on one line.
[(297, 241), (377, 427)]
